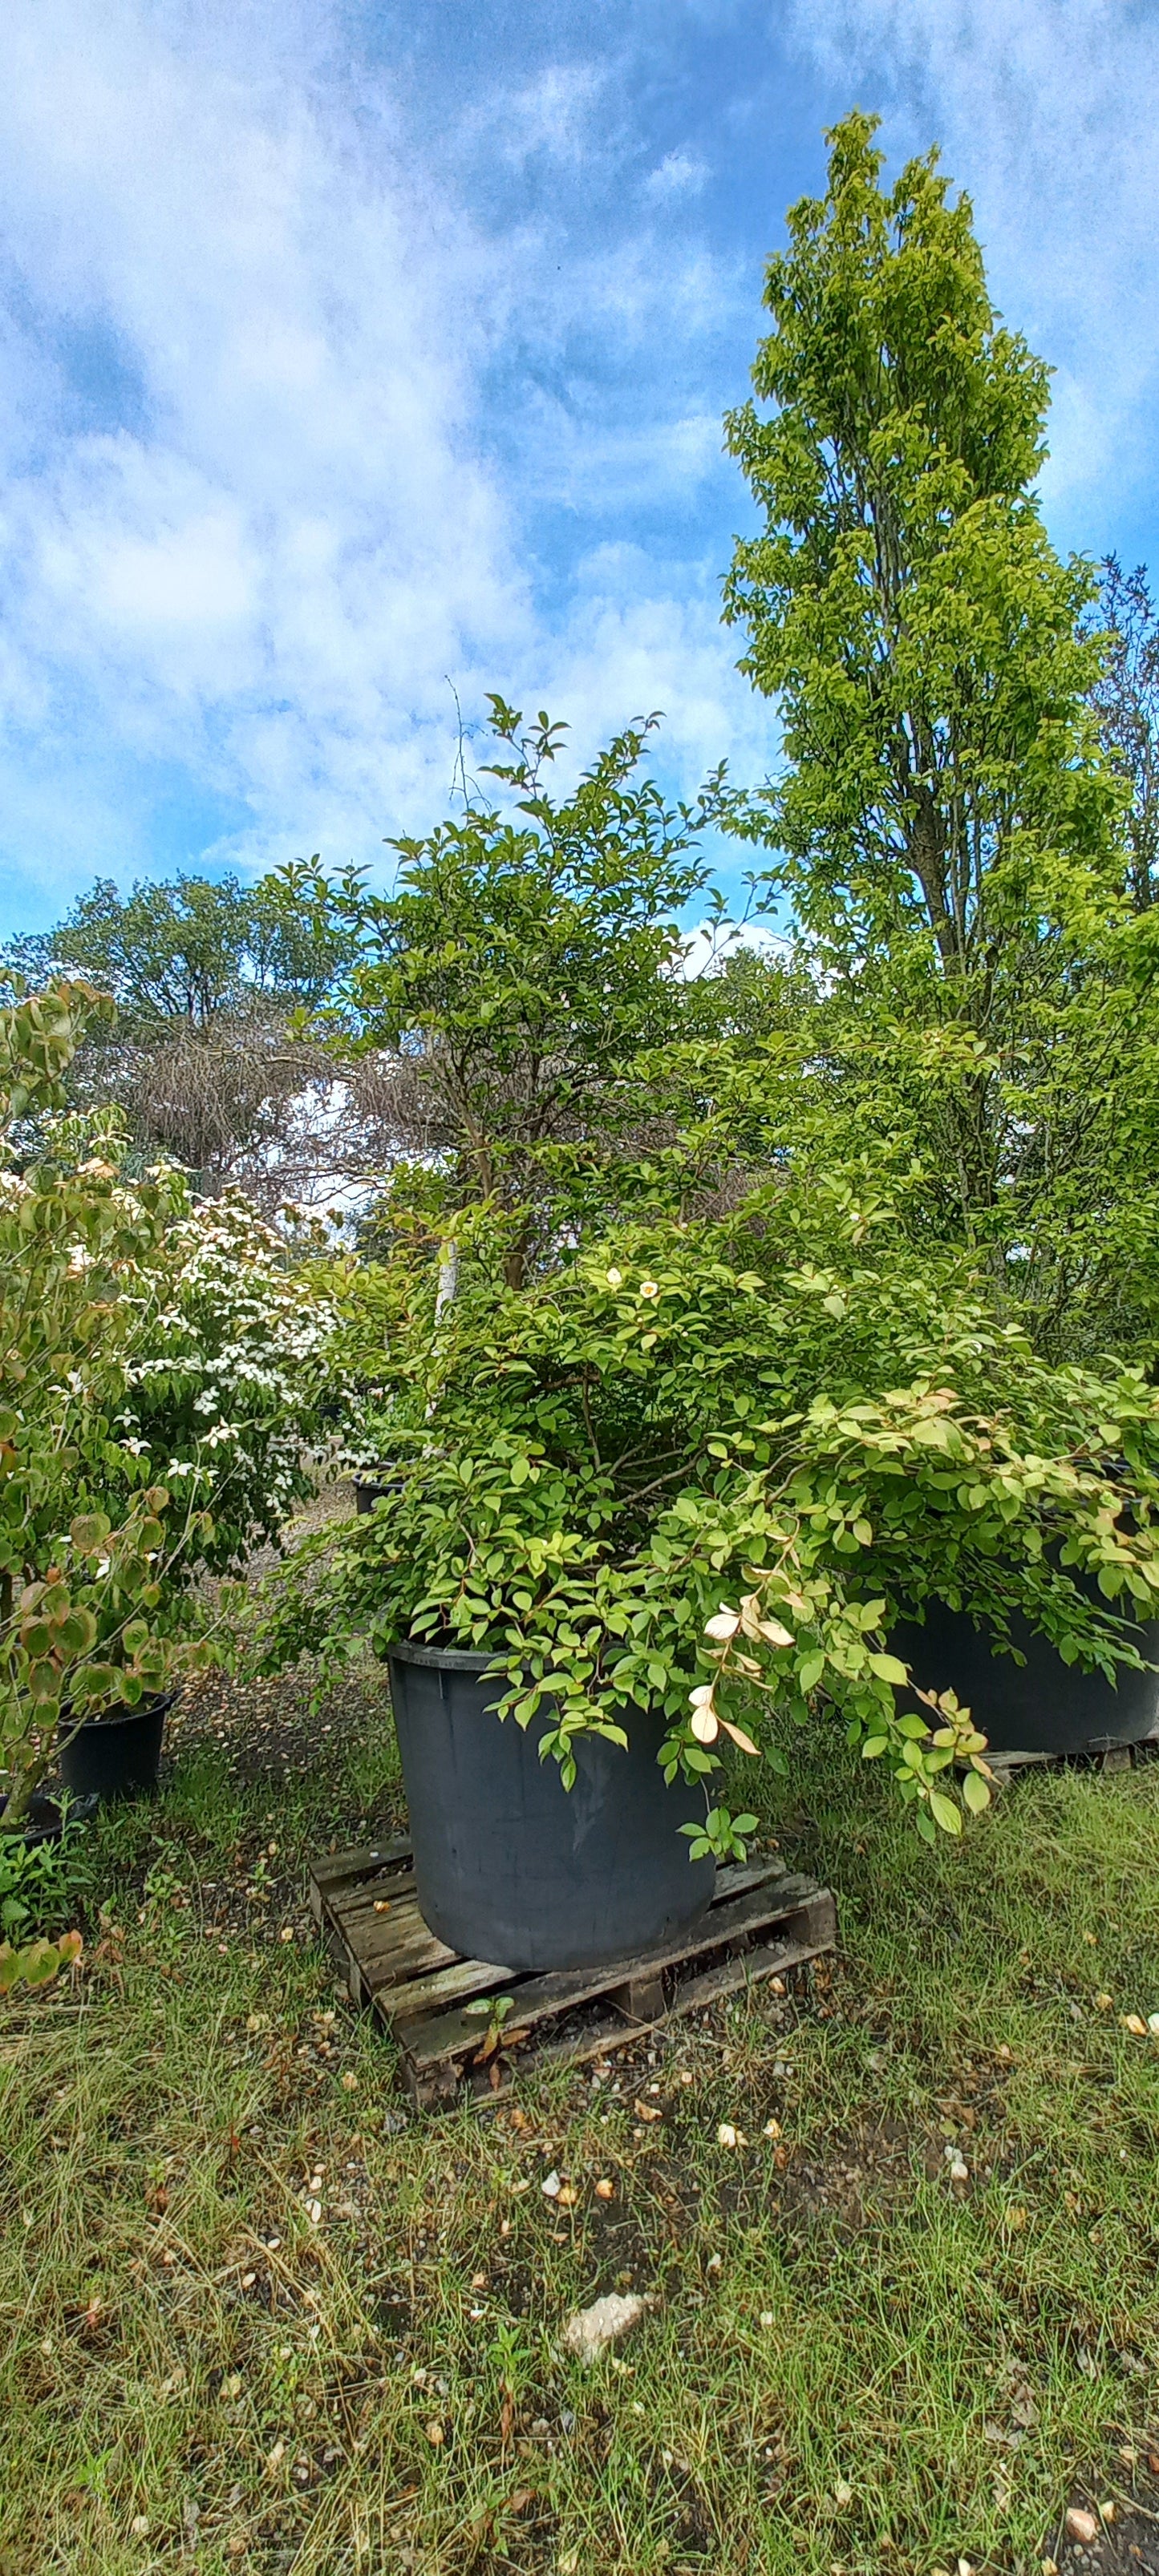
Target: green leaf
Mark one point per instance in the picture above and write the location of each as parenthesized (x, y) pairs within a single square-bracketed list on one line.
[(976, 1792), (94, 1681), (89, 1531), (809, 1671), (945, 1813), (78, 1633), (888, 1669)]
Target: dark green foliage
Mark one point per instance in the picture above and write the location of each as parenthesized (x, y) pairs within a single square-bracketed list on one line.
[(199, 950)]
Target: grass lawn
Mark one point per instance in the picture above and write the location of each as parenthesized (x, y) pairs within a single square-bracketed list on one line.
[(258, 2317)]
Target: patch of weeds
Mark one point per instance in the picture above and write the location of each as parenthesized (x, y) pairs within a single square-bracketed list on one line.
[(43, 1885)]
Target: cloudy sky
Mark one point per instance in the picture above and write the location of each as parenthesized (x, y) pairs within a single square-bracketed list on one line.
[(354, 349)]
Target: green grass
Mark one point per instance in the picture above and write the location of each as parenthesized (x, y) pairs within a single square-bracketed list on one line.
[(852, 2361)]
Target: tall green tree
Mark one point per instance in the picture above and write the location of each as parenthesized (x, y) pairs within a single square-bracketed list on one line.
[(945, 825), (903, 600)]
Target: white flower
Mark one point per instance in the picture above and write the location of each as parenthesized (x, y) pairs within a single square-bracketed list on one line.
[(615, 1279), (648, 1288)]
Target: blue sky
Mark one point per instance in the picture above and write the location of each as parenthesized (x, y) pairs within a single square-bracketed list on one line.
[(351, 350)]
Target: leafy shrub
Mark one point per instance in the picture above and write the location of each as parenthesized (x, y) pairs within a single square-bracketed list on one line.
[(158, 1383), (708, 1465)]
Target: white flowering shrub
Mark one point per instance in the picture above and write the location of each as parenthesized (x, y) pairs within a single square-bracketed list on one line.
[(161, 1374), (230, 1376)]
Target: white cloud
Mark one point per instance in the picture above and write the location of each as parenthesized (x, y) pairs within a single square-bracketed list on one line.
[(1048, 112), (707, 947), (550, 114), (270, 578), (643, 638), (251, 557), (679, 174)]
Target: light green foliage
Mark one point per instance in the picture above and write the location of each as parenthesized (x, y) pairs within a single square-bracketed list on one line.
[(623, 1480), (40, 1883), (75, 1591), (903, 599), (948, 830), (203, 1058), (197, 950), (1126, 703)]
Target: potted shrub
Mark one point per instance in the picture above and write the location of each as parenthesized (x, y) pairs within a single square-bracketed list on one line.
[(637, 1516), (1026, 1695), (160, 1370)]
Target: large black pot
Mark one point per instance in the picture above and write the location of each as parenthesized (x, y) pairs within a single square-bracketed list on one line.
[(118, 1754), (1041, 1706), (44, 1821), (371, 1484), (511, 1866)]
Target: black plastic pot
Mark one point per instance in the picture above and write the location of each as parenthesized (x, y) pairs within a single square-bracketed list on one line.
[(43, 1821), (371, 1483), (116, 1755), (1041, 1706), (511, 1866)]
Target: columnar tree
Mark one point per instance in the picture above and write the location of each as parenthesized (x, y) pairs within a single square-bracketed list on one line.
[(945, 824)]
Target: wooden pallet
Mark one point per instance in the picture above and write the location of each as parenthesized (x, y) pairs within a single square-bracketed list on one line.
[(761, 1921), (1108, 1757)]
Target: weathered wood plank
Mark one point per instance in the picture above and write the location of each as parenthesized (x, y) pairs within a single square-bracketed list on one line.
[(335, 1869), (425, 1951), (602, 2038), (353, 1903), (734, 1876), (641, 1999), (373, 1936), (811, 1929), (466, 1977)]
